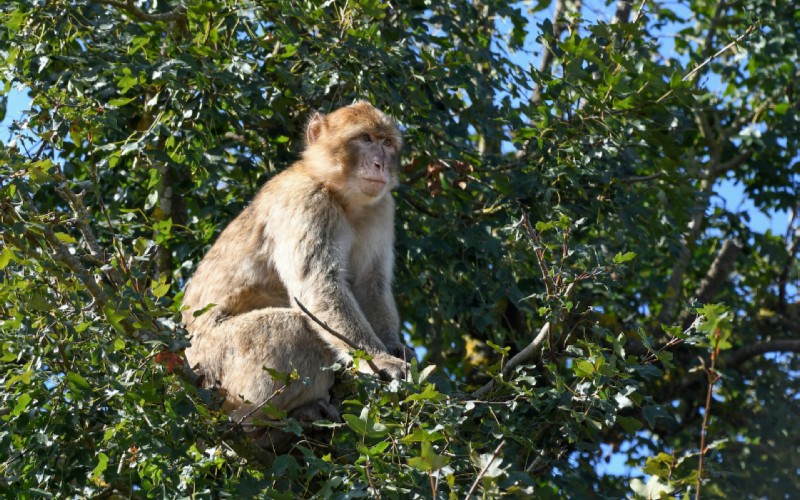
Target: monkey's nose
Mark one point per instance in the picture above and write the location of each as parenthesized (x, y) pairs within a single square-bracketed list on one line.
[(377, 164)]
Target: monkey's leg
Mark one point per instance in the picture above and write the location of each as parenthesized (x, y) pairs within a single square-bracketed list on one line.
[(320, 409), (278, 339)]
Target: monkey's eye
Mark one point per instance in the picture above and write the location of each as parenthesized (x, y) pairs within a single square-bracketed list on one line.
[(387, 142), (366, 138)]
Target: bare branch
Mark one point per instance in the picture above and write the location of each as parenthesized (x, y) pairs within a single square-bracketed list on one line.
[(720, 51), (336, 334), (177, 14), (735, 358), (792, 239), (641, 178), (731, 164), (484, 469), (623, 13), (719, 270), (531, 351), (75, 202)]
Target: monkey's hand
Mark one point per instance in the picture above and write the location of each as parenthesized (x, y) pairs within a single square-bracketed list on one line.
[(402, 351), (390, 367)]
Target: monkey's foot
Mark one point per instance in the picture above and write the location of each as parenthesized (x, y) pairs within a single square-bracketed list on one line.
[(319, 409)]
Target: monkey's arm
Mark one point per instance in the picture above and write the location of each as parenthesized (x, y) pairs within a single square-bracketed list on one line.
[(310, 260), (377, 302)]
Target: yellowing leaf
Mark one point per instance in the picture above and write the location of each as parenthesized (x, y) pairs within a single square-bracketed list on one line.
[(65, 238)]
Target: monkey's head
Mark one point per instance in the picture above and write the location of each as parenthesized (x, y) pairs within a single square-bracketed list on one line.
[(354, 151)]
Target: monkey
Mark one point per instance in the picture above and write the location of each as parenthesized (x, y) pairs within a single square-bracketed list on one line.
[(320, 233)]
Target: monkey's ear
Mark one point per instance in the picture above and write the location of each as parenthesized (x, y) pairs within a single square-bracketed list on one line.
[(314, 128)]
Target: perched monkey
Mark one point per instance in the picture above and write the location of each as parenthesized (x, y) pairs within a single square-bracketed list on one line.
[(322, 231)]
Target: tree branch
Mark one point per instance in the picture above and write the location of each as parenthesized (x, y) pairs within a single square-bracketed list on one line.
[(731, 164), (336, 334), (674, 288), (177, 14), (792, 239), (75, 202), (641, 178), (531, 351), (719, 271), (484, 469), (547, 55), (710, 58), (623, 13), (735, 358)]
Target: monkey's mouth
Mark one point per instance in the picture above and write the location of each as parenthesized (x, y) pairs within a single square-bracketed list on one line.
[(372, 186)]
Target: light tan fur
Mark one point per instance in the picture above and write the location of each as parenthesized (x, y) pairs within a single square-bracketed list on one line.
[(320, 231)]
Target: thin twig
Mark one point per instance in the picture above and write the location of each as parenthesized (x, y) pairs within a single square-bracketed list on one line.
[(538, 252), (485, 468), (641, 178), (261, 405), (336, 334), (719, 52), (371, 482), (712, 377)]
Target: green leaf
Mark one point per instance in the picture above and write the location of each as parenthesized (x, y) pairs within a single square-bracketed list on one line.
[(630, 425), (102, 464), (421, 435), (23, 401), (202, 311), (428, 460), (365, 424), (544, 226), (161, 287), (428, 394), (621, 258), (782, 108), (5, 257), (716, 325), (583, 368), (121, 101), (77, 383), (653, 412)]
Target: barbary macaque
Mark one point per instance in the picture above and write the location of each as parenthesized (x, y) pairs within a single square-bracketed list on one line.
[(320, 233)]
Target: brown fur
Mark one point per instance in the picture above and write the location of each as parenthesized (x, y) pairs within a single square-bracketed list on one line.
[(321, 231)]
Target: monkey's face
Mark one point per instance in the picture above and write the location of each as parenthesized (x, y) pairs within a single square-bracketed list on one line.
[(358, 146), (373, 158)]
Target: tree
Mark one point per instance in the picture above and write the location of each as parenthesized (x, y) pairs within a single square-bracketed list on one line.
[(563, 255)]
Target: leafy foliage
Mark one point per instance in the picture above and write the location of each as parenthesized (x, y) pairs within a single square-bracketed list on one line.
[(577, 198)]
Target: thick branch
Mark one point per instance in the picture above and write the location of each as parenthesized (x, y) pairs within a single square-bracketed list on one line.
[(177, 14), (547, 54), (674, 289), (792, 246), (533, 350), (75, 202), (731, 164), (623, 13), (735, 358), (719, 271), (641, 178)]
